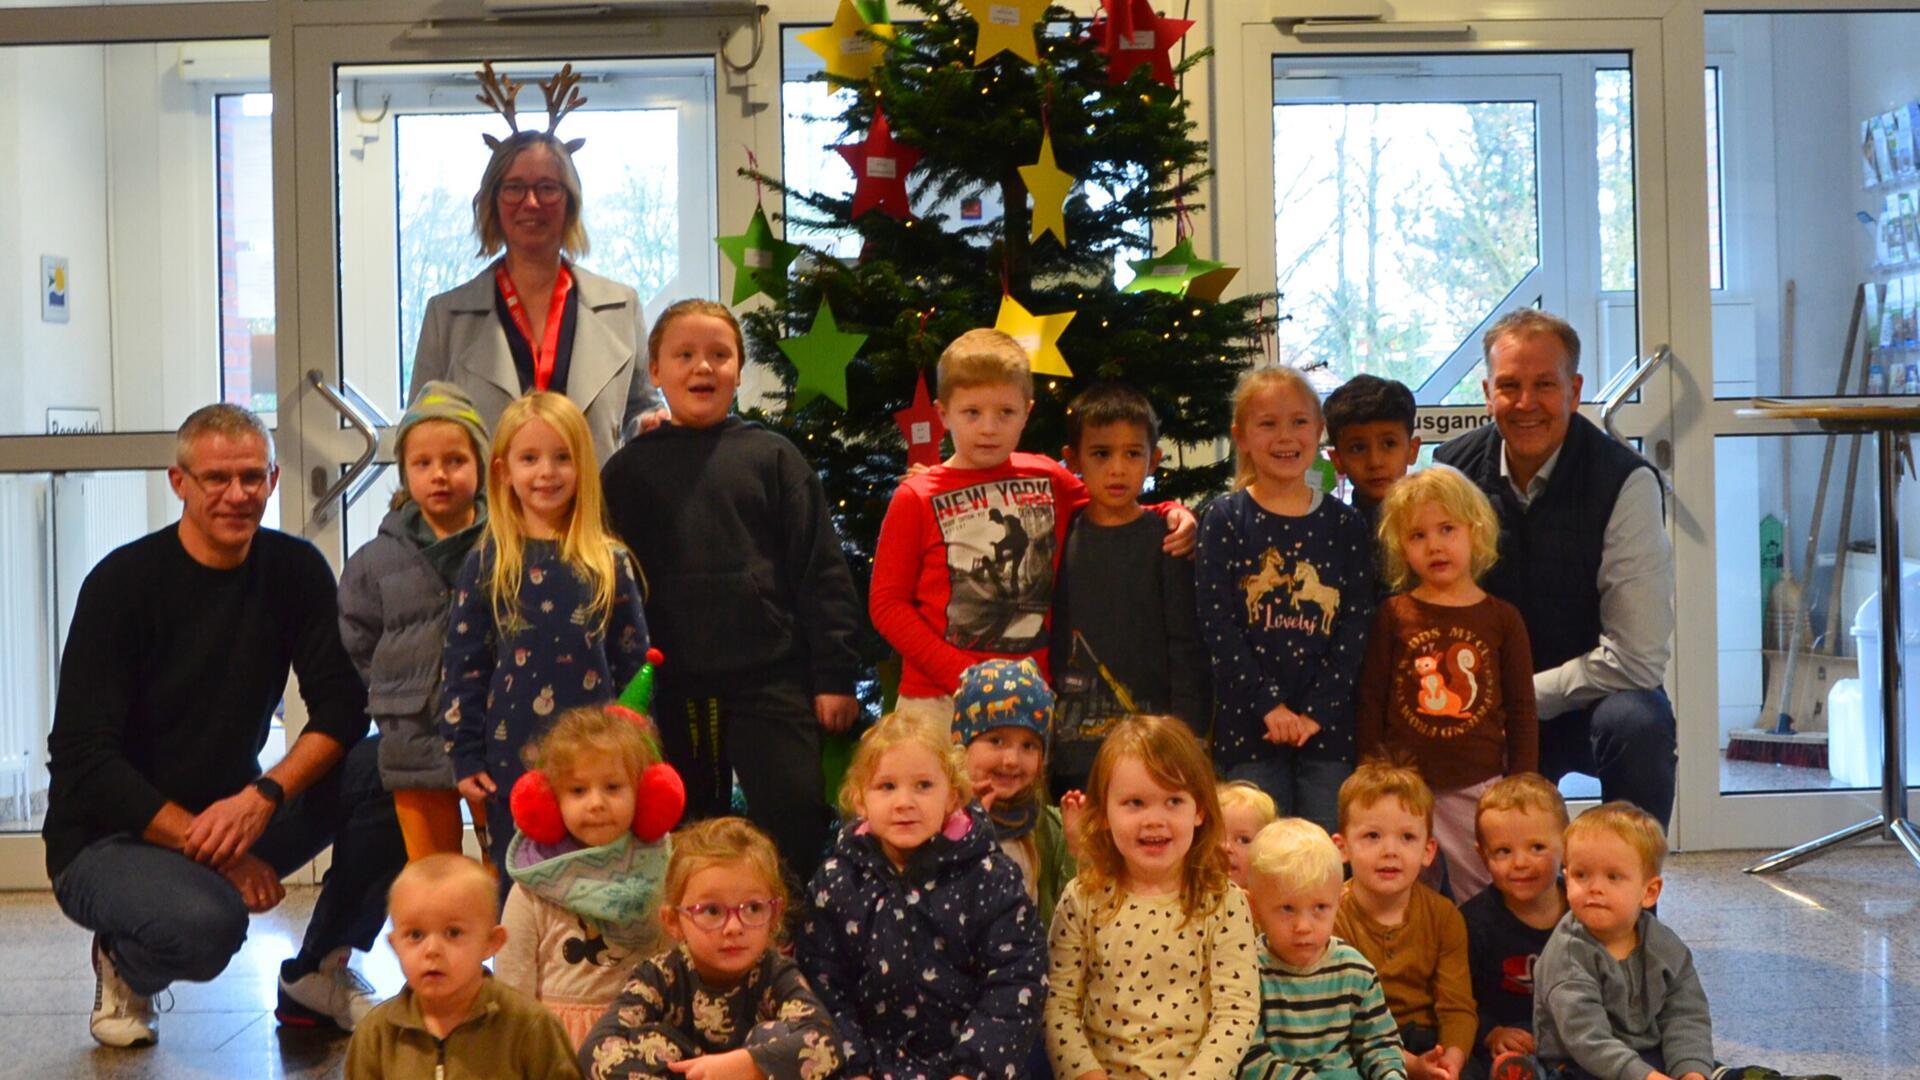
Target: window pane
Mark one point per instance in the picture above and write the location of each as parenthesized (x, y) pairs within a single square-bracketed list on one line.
[(1613, 121), (243, 145), (113, 303), (1815, 155), (1399, 228), (1800, 638), (1716, 254)]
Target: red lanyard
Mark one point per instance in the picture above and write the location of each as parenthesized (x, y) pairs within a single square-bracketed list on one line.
[(548, 346)]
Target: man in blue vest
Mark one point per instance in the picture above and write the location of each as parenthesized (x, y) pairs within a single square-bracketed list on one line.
[(1584, 555)]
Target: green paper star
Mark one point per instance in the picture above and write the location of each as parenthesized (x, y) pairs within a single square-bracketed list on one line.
[(1171, 272), (822, 355), (760, 260)]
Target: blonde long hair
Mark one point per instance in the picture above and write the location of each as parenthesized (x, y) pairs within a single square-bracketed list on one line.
[(1266, 380), (587, 545), (1175, 759)]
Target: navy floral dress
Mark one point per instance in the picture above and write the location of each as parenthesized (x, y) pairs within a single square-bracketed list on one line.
[(931, 972), (505, 686)]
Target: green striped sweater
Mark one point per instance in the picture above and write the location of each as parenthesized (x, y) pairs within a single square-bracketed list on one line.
[(1327, 1022)]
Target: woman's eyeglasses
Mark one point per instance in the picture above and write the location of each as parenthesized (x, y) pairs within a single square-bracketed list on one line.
[(549, 191)]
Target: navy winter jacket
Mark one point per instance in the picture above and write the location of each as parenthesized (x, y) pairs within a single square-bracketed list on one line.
[(934, 971)]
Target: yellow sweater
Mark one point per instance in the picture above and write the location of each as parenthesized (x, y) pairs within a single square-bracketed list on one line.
[(1422, 963), (505, 1035)]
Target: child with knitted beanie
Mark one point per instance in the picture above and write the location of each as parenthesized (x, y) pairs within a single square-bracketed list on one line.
[(1003, 719)]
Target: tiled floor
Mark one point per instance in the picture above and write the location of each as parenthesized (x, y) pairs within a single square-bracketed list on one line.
[(1815, 969)]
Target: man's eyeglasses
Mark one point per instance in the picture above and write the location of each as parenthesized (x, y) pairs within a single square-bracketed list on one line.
[(516, 192), (215, 482), (753, 914)]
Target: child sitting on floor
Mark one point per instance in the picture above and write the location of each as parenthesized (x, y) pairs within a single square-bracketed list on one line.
[(1411, 935), (1518, 827), (1322, 1012), (725, 997), (1244, 811)]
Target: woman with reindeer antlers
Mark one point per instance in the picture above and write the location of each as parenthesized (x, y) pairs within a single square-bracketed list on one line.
[(533, 320)]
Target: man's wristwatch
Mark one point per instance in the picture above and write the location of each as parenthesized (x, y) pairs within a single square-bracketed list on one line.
[(271, 788)]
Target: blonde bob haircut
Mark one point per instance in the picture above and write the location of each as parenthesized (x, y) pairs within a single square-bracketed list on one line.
[(587, 545), (486, 201), (592, 733), (984, 358), (724, 841), (1272, 379), (1375, 780), (1294, 854), (1640, 830), (1463, 501), (895, 731), (1247, 795), (1173, 756), (1521, 791)]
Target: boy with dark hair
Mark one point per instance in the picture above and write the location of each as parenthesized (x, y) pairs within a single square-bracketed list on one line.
[(1125, 631), (1370, 423)]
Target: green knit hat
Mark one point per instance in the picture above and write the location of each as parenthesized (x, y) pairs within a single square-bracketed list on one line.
[(445, 401)]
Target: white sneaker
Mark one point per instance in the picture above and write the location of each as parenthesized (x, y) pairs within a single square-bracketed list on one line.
[(120, 1016), (333, 992)]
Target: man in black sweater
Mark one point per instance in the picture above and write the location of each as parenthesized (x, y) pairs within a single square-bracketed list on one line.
[(162, 834)]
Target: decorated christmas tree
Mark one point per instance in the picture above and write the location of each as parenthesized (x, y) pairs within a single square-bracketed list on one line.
[(996, 102)]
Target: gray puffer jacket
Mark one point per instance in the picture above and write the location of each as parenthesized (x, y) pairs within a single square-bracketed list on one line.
[(394, 602)]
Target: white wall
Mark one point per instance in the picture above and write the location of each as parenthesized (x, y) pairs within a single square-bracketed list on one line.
[(57, 148)]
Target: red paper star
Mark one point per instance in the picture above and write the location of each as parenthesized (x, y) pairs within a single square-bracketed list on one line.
[(920, 425), (1133, 35), (880, 167)]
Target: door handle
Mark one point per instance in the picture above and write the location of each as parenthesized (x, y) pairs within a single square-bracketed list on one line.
[(354, 482)]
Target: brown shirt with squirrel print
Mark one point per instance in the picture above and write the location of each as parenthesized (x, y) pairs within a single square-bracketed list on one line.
[(1453, 687)]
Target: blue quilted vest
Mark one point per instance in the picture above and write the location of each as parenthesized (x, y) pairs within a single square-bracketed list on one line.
[(1550, 550)]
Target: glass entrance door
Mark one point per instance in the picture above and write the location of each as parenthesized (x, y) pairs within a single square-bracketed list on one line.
[(1407, 184)]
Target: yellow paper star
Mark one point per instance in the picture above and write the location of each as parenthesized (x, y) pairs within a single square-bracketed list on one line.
[(847, 53), (1005, 26), (1049, 188), (1038, 334)]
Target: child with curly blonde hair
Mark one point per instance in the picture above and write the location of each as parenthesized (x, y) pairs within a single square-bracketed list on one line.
[(1448, 676), (586, 862)]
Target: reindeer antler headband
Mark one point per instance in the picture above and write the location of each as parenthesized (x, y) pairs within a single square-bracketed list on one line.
[(562, 93)]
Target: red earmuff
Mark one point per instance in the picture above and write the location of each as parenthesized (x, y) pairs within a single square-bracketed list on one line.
[(659, 798)]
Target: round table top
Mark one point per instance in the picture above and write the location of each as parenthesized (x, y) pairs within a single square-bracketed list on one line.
[(1898, 414)]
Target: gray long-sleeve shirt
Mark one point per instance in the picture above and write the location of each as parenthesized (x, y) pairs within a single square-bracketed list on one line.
[(1601, 1012)]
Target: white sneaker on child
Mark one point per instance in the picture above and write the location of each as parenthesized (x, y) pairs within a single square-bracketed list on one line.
[(120, 1016)]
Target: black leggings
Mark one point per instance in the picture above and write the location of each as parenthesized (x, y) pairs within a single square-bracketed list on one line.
[(768, 736)]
